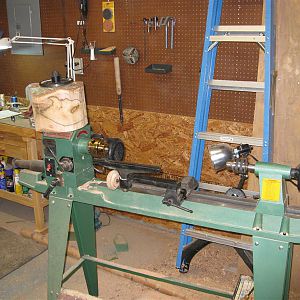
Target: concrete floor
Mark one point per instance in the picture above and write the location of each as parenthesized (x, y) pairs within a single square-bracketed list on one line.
[(150, 247)]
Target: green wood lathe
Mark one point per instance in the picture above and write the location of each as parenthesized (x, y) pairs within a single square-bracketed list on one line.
[(66, 176)]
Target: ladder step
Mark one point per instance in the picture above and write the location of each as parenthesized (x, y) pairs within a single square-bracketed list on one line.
[(241, 28), (247, 38), (240, 86), (218, 239), (229, 138)]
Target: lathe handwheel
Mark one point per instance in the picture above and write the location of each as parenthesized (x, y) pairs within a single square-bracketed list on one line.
[(234, 192), (113, 180)]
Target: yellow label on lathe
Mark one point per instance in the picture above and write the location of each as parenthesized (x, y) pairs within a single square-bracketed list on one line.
[(271, 190)]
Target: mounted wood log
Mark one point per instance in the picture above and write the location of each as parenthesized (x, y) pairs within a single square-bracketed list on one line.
[(59, 109)]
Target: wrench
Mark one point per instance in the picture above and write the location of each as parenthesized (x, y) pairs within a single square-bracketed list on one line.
[(166, 32), (164, 21), (173, 21)]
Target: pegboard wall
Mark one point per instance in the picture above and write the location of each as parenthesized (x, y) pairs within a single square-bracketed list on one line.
[(173, 93)]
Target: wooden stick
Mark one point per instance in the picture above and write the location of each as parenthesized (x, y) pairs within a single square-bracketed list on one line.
[(117, 75), (67, 294), (118, 87)]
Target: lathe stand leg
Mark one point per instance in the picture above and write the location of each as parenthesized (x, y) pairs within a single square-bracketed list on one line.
[(59, 219), (272, 268), (83, 221)]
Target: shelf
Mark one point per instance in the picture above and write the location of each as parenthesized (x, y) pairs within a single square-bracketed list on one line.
[(159, 69), (100, 51), (21, 199)]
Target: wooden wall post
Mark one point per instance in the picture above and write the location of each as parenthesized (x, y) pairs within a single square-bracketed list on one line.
[(287, 103)]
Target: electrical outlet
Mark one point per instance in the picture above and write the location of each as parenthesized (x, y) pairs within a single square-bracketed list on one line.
[(78, 62), (80, 23)]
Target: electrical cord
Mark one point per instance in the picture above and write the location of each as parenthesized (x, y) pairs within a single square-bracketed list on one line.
[(83, 22), (107, 215), (85, 42), (293, 183), (54, 156), (253, 157), (75, 48)]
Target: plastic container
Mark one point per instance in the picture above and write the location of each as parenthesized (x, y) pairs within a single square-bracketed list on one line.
[(3, 160), (17, 186), (2, 100), (9, 176), (25, 189), (120, 243)]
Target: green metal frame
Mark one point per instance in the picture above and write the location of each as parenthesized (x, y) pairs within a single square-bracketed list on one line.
[(272, 268), (273, 232), (272, 251)]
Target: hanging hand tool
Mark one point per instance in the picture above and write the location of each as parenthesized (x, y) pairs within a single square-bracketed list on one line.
[(164, 21), (173, 21), (118, 87), (155, 20), (166, 32), (145, 21)]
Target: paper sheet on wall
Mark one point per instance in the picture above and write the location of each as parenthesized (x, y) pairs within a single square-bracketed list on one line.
[(8, 113)]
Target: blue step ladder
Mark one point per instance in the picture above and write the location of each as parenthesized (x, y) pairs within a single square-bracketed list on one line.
[(215, 33)]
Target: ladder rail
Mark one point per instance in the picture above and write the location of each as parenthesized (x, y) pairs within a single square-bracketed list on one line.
[(204, 92), (207, 72), (269, 67)]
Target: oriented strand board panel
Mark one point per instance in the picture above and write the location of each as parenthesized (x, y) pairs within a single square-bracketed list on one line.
[(173, 93), (162, 139)]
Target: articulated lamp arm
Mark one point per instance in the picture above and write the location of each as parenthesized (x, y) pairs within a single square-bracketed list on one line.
[(6, 43)]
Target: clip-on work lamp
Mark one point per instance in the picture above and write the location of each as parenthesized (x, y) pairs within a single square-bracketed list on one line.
[(6, 43)]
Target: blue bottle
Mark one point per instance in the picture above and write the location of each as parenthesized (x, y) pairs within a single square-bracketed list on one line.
[(2, 178), (14, 99)]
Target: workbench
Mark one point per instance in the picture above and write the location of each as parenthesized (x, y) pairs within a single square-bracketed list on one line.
[(19, 140)]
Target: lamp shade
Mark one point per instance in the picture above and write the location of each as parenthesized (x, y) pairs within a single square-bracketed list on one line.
[(5, 43), (220, 154)]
